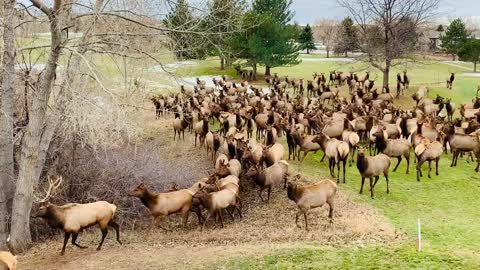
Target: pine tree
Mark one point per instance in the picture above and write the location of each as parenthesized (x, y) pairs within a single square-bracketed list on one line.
[(347, 40), (470, 51), (306, 39), (267, 39), (455, 37), (182, 25)]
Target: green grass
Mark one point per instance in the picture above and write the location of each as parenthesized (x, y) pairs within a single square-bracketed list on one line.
[(378, 257)]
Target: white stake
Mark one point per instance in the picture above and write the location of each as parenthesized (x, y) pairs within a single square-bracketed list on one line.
[(419, 237)]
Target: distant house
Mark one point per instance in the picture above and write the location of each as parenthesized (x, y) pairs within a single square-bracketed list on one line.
[(434, 34)]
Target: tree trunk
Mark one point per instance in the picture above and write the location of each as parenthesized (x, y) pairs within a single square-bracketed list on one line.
[(308, 51), (386, 73), (267, 71), (222, 63), (6, 118), (475, 66), (31, 165), (254, 66), (346, 54), (328, 52)]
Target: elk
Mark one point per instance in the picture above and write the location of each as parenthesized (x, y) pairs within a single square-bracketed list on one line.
[(179, 126), (450, 107), (428, 151), (72, 218), (312, 196), (8, 260), (372, 167), (393, 148), (273, 153), (201, 130), (266, 178), (216, 201), (450, 81), (463, 143), (406, 80), (162, 205), (336, 151)]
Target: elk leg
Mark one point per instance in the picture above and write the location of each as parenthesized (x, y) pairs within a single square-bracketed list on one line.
[(429, 169), (296, 218), (260, 194), (371, 187), (221, 216), (116, 227), (407, 157), (330, 211), (65, 241), (361, 187), (268, 192), (74, 241), (306, 221), (186, 212), (376, 180), (323, 157), (398, 163), (386, 179), (209, 214), (453, 158), (344, 164), (436, 165), (160, 223), (174, 134), (338, 172), (104, 234)]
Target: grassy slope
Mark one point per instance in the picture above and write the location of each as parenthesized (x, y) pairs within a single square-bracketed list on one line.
[(446, 204)]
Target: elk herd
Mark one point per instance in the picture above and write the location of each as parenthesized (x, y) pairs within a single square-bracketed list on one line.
[(242, 129)]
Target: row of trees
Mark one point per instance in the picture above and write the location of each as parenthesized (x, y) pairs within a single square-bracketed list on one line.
[(339, 37), (459, 41)]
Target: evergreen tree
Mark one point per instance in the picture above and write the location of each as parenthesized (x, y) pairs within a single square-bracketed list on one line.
[(267, 38), (347, 39), (455, 37), (306, 39), (182, 26), (470, 51)]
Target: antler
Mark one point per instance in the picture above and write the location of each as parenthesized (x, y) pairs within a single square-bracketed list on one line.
[(53, 185)]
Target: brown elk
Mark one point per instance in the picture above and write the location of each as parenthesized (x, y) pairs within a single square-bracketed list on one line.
[(370, 167), (162, 205), (393, 148), (450, 81), (8, 261), (312, 196), (179, 126), (266, 178)]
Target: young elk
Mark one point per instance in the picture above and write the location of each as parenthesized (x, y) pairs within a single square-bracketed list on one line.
[(266, 178), (215, 202), (179, 126), (428, 151), (336, 151), (162, 205), (450, 81), (372, 167), (463, 143), (73, 218), (201, 130), (393, 148), (312, 196)]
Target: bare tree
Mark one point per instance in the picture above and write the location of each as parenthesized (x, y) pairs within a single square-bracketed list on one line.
[(7, 80), (389, 29), (326, 30)]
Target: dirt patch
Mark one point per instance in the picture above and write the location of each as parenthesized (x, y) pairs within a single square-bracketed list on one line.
[(263, 224)]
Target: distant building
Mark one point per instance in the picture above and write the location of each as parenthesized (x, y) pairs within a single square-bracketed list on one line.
[(434, 34)]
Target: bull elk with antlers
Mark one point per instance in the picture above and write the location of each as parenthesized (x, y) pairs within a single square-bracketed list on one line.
[(73, 218)]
